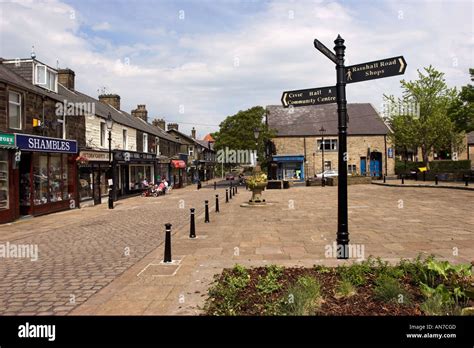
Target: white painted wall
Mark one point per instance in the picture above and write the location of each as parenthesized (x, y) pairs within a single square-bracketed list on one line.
[(93, 135)]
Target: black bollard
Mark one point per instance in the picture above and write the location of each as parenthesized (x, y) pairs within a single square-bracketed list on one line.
[(199, 185), (236, 191), (436, 179), (192, 226), (403, 179), (230, 192), (227, 195), (323, 182), (111, 199), (206, 217), (215, 185), (384, 179), (167, 243), (467, 180), (217, 203)]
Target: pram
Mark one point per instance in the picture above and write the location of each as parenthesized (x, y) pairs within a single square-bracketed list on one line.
[(152, 191)]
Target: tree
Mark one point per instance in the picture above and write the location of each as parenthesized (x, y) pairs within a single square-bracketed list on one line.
[(425, 123), (237, 132), (461, 111)]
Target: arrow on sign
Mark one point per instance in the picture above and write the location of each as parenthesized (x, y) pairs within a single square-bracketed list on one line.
[(311, 96), (376, 69), (324, 50)]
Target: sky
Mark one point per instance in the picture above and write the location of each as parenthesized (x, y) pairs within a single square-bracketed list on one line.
[(196, 62)]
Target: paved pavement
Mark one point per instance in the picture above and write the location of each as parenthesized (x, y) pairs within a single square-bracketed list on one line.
[(459, 185), (295, 229), (81, 251)]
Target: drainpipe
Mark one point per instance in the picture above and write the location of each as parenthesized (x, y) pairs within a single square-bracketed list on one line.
[(386, 157)]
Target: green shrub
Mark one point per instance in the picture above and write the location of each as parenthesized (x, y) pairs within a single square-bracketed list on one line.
[(303, 297), (446, 166), (400, 166), (269, 283), (388, 289), (345, 289)]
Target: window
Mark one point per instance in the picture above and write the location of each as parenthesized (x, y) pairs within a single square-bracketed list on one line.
[(352, 168), (14, 110), (4, 194), (103, 128), (157, 145), (46, 77), (329, 145), (191, 151), (124, 134), (145, 142), (327, 165)]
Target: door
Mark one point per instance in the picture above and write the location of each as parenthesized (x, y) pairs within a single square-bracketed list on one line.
[(376, 164), (363, 166), (97, 193)]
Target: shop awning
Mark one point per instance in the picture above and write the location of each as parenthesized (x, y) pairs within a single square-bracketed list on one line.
[(178, 164)]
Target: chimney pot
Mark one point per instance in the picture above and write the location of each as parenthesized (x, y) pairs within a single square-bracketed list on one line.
[(110, 99), (66, 77), (140, 112)]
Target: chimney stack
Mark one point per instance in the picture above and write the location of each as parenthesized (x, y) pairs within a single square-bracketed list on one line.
[(160, 123), (110, 99), (193, 133), (172, 126), (66, 78), (141, 112)]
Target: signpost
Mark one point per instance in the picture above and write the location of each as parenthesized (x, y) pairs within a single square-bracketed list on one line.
[(312, 96), (323, 95)]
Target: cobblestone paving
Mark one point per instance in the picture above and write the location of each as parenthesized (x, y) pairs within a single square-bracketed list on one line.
[(81, 251)]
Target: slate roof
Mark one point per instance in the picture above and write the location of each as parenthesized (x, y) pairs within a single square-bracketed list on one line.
[(119, 116), (307, 120), (11, 78), (191, 139)]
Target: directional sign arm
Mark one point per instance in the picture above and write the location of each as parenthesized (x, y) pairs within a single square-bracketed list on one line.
[(375, 70), (324, 50)]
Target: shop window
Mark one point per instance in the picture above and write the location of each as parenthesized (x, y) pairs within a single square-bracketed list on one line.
[(55, 178), (4, 197), (14, 110), (40, 179), (138, 173), (85, 184)]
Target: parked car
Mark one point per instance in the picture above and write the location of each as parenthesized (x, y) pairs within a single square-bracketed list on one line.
[(327, 174), (230, 176)]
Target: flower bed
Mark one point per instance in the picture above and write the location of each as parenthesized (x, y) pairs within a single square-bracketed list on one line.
[(373, 287)]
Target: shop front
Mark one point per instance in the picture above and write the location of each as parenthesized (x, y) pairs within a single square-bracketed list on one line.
[(132, 171), (8, 175), (178, 173), (290, 167), (48, 173), (162, 170), (93, 167)]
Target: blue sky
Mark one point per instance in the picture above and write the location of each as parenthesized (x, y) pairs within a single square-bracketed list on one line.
[(195, 62)]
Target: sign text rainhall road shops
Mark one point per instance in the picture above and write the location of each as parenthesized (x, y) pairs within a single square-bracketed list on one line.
[(376, 69)]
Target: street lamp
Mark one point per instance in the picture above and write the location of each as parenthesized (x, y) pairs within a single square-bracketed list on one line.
[(322, 131), (109, 123)]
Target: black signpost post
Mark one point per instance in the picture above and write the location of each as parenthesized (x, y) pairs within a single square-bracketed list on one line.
[(324, 95)]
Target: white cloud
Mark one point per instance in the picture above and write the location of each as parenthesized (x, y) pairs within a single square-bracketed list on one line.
[(104, 26), (274, 50)]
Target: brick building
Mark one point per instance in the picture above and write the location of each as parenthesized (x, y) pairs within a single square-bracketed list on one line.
[(299, 141)]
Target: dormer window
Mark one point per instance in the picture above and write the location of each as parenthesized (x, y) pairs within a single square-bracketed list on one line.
[(46, 77)]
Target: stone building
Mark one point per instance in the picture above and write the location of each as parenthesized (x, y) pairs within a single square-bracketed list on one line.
[(299, 141)]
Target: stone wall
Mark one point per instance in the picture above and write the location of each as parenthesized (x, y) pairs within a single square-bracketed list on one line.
[(356, 145)]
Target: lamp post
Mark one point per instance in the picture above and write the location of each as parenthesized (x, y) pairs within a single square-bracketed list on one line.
[(109, 122), (256, 134), (322, 131)]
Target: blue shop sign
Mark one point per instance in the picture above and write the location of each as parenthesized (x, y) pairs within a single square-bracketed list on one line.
[(44, 144)]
